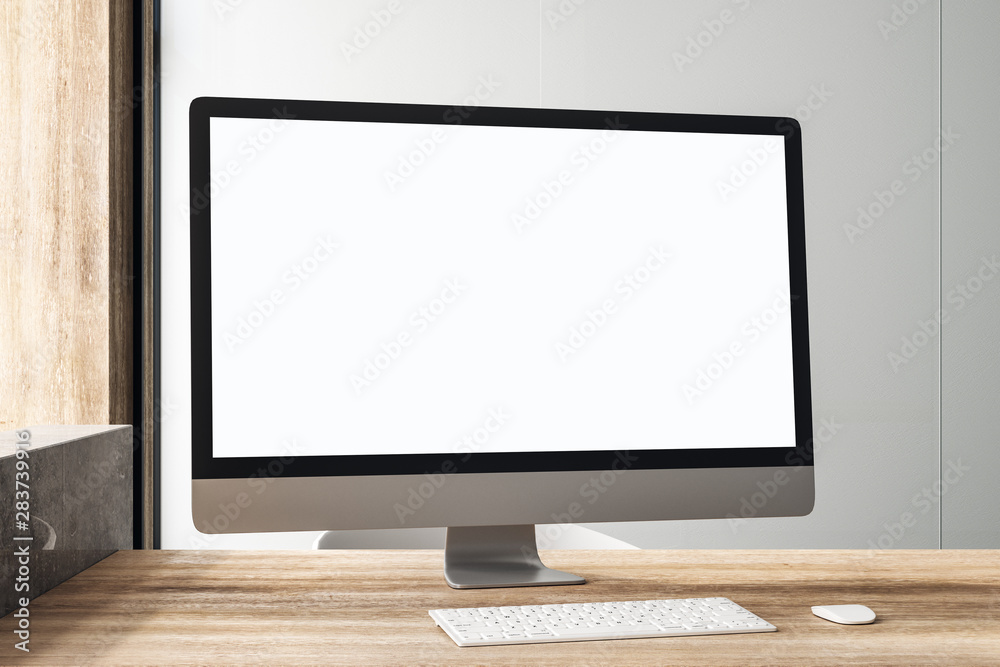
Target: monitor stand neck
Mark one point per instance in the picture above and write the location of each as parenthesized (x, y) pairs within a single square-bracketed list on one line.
[(498, 557)]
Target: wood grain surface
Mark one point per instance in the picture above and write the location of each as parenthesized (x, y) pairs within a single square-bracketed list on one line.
[(370, 607), (65, 213), (122, 282)]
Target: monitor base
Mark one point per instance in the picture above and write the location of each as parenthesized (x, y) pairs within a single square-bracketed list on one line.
[(498, 557)]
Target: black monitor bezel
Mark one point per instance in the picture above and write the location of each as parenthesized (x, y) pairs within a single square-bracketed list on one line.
[(205, 466)]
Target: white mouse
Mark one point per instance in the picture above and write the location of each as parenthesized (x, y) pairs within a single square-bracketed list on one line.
[(846, 614)]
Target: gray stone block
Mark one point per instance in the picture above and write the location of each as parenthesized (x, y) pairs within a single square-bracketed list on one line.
[(80, 494)]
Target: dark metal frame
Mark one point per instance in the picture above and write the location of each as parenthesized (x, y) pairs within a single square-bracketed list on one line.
[(146, 225)]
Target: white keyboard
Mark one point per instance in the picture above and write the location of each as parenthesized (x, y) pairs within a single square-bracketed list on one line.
[(489, 626)]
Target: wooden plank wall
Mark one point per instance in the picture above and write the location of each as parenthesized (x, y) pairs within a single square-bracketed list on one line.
[(54, 335)]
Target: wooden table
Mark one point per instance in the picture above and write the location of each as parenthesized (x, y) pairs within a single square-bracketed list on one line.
[(370, 607)]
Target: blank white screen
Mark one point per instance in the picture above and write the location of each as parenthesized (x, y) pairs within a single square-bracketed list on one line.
[(295, 324)]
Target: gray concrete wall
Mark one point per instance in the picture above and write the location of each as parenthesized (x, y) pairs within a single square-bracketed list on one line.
[(970, 277), (863, 76)]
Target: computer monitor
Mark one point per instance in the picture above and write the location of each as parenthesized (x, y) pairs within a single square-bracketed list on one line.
[(488, 318)]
